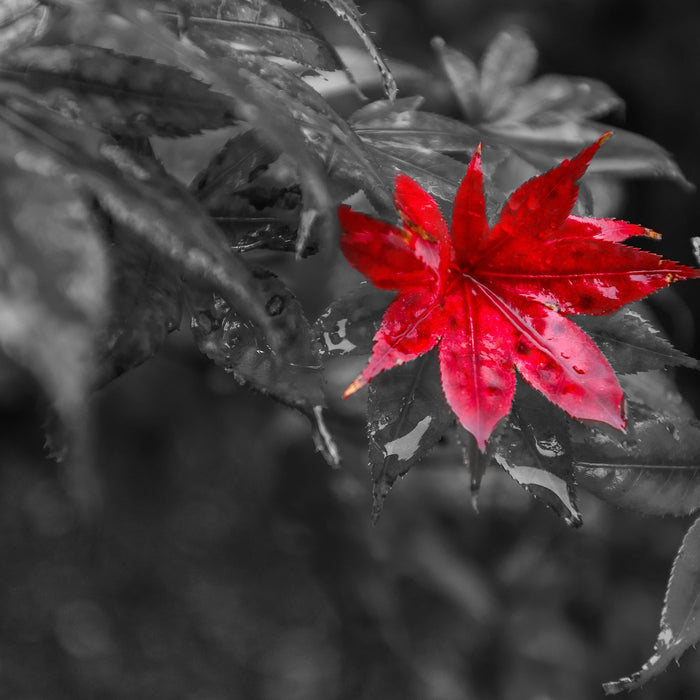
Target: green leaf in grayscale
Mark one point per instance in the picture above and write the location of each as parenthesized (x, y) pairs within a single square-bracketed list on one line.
[(509, 61), (259, 26), (348, 11), (418, 129), (129, 27), (21, 23), (680, 619), (438, 174), (625, 155), (53, 302), (137, 193), (291, 373), (549, 118), (631, 344), (145, 306), (120, 94), (474, 461), (463, 76), (654, 465), (406, 416), (347, 326), (380, 109), (533, 447), (571, 97), (327, 134), (251, 190)]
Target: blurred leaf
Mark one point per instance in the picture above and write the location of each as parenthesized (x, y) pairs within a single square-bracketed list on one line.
[(259, 26), (250, 189), (120, 94), (534, 448), (21, 21), (291, 374), (571, 97), (463, 76), (146, 305), (53, 289), (508, 62), (626, 155), (653, 466), (548, 119), (348, 325), (680, 619), (631, 344), (406, 416), (129, 27), (138, 194), (348, 10)]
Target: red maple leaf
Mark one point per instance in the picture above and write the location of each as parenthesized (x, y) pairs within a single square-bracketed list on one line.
[(496, 299)]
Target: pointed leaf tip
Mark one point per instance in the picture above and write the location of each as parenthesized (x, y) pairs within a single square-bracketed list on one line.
[(357, 384), (475, 501), (323, 439)]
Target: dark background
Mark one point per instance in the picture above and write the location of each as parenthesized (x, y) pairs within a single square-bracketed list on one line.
[(231, 562)]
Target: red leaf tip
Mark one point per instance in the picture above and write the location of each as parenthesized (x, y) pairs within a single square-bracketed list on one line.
[(604, 137), (357, 384)]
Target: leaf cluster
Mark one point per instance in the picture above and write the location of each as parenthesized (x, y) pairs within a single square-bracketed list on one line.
[(104, 251)]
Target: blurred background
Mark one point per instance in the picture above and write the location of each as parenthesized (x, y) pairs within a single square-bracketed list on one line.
[(232, 562)]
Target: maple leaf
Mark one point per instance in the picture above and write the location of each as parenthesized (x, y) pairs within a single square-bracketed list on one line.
[(494, 299), (541, 119)]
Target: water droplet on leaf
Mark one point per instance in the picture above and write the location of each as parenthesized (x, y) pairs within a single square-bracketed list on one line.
[(275, 305)]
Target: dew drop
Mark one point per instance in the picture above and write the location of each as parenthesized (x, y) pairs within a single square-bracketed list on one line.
[(203, 323), (523, 348), (275, 305), (578, 370)]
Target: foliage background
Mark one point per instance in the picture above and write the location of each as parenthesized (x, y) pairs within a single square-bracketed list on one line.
[(231, 562)]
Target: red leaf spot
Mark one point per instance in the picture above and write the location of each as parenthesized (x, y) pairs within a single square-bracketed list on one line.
[(522, 348)]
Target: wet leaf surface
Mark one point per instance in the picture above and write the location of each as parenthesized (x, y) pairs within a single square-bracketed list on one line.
[(259, 26), (534, 448), (494, 298), (631, 344), (252, 193), (327, 134), (406, 416), (653, 466), (119, 94), (129, 27), (410, 127), (291, 373), (348, 325)]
